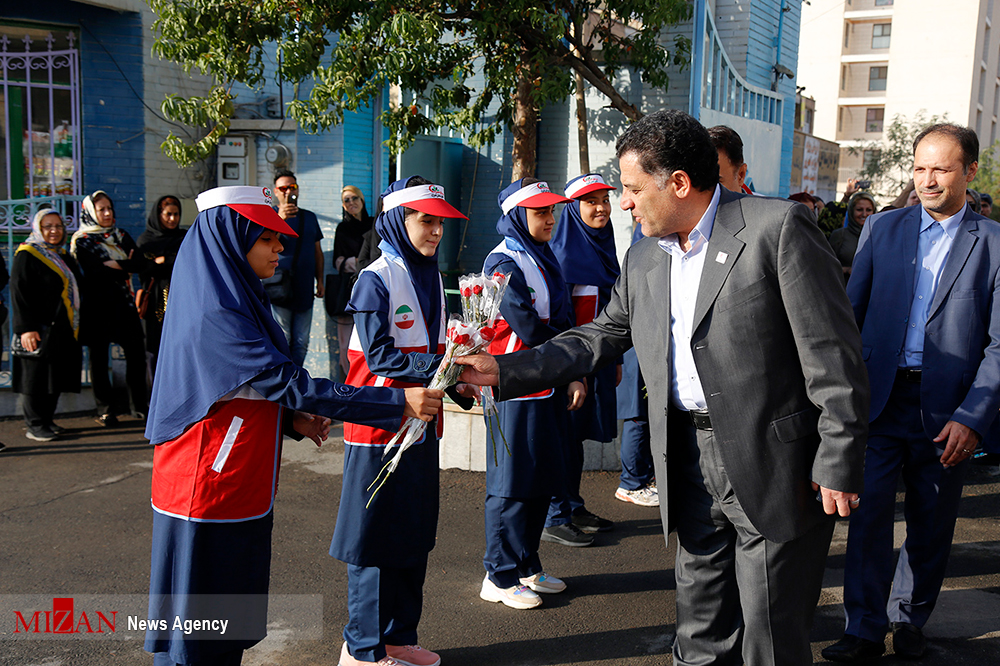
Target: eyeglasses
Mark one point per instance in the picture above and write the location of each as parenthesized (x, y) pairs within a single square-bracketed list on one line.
[(51, 227), (351, 199), (285, 188)]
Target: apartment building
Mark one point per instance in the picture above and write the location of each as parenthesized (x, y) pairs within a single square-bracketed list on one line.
[(867, 61)]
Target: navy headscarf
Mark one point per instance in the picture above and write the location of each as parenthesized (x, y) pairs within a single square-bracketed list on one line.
[(218, 332), (514, 225), (586, 255), (391, 228)]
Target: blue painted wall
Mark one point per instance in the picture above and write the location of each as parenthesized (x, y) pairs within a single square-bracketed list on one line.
[(112, 114), (763, 52)]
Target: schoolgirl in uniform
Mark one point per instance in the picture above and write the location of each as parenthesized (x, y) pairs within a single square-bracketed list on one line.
[(225, 392), (398, 340), (535, 308), (584, 245)]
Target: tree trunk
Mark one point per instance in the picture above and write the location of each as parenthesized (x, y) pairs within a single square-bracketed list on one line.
[(525, 128), (581, 125)]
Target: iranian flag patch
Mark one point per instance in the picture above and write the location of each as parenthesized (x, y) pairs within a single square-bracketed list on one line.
[(404, 317)]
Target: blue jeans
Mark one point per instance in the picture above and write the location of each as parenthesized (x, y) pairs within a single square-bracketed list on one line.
[(295, 326)]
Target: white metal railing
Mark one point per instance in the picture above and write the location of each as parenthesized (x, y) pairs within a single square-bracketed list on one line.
[(722, 87), (16, 216), (52, 158)]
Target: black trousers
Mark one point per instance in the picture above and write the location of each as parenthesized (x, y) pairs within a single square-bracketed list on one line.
[(741, 599), (39, 410), (135, 371)]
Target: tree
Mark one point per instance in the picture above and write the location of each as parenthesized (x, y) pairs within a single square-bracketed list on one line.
[(988, 176), (889, 163), (475, 66)]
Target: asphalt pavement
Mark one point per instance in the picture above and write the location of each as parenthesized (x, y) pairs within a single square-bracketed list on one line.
[(75, 520)]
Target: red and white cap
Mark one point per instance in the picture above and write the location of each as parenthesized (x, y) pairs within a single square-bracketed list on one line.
[(254, 203), (536, 195), (425, 198), (586, 184)]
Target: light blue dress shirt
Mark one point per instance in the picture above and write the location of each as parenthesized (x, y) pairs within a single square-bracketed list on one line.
[(933, 246)]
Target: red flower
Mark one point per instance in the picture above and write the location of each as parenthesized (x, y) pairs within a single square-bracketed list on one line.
[(462, 339), (487, 333), (478, 289), (466, 292)]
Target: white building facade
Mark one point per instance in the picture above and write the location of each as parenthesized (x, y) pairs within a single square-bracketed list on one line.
[(865, 62)]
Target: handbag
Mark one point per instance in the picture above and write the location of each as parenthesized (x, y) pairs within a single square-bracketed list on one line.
[(279, 287), (18, 350), (142, 299), (337, 293)]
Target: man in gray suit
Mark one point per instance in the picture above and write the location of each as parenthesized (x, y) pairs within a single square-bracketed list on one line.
[(757, 392)]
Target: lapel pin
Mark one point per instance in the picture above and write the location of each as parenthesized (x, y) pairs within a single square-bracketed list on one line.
[(721, 257)]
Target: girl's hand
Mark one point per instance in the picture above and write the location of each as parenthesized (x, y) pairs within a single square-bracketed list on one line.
[(423, 403), (316, 428), (160, 260), (577, 392), (30, 340)]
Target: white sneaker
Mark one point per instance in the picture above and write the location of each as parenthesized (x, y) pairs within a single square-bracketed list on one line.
[(347, 660), (518, 596), (645, 496), (541, 582)]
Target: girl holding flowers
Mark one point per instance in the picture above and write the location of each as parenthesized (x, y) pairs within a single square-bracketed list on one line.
[(398, 340)]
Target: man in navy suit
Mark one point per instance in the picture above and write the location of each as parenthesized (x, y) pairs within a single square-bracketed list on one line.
[(925, 292)]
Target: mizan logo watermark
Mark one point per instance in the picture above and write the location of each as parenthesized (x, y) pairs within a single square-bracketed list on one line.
[(131, 616), (62, 619)]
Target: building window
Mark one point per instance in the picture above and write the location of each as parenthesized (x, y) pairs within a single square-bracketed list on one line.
[(40, 78), (877, 77), (880, 35), (840, 119), (847, 33), (869, 157), (874, 119), (843, 77), (883, 3)]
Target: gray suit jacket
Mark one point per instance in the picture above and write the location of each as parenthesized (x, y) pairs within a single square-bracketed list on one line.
[(777, 351)]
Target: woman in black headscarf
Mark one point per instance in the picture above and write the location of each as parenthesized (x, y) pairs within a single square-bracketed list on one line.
[(107, 255), (159, 245), (347, 242)]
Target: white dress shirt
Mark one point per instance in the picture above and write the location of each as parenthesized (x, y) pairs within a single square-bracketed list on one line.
[(685, 276), (933, 247)]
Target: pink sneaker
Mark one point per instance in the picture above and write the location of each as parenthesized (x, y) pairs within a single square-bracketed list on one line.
[(413, 655)]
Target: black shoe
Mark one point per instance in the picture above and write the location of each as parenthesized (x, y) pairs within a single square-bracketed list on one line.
[(40, 435), (567, 535), (908, 640), (589, 523), (139, 416), (107, 420), (853, 648), (57, 429), (2, 446)]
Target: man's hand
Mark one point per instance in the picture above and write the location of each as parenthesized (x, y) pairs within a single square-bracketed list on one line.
[(316, 428), (481, 369), (320, 289), (835, 501), (618, 375), (961, 442), (423, 403), (577, 393), (287, 210)]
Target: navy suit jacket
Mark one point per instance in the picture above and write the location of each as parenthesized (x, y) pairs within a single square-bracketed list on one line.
[(961, 356)]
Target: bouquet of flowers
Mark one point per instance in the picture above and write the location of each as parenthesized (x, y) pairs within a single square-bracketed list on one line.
[(481, 297)]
